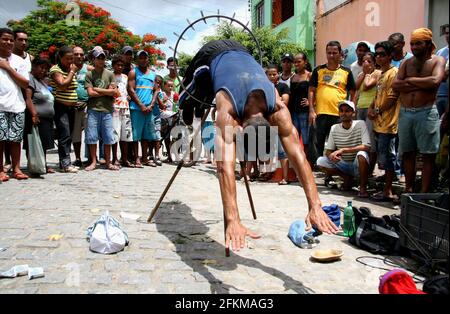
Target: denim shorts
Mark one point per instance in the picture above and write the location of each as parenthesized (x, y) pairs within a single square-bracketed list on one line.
[(301, 123), (99, 125), (418, 130), (386, 152), (346, 167)]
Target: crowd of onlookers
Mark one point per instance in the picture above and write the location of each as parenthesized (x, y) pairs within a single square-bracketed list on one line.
[(386, 108), (114, 101)]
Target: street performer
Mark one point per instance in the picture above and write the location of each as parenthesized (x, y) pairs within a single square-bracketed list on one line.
[(245, 97)]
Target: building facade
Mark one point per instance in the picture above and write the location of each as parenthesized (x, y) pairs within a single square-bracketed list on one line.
[(295, 15), (350, 21)]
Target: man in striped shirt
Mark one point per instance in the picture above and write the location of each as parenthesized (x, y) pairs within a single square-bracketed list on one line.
[(347, 150)]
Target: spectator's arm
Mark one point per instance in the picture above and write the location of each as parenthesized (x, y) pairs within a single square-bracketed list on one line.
[(17, 77), (370, 81), (400, 85), (433, 81), (132, 90)]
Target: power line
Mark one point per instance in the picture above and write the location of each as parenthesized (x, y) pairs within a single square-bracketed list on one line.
[(139, 14)]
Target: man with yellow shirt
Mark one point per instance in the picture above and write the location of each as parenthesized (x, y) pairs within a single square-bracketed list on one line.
[(384, 112), (330, 84)]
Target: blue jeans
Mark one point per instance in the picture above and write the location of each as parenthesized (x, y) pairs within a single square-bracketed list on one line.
[(301, 123), (441, 104), (346, 167), (386, 152)]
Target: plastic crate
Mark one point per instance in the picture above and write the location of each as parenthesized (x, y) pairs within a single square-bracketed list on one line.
[(425, 216)]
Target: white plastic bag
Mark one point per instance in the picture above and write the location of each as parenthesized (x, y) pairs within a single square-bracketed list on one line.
[(106, 236), (36, 156)]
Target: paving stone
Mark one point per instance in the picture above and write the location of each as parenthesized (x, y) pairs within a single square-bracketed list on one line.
[(143, 267), (167, 255)]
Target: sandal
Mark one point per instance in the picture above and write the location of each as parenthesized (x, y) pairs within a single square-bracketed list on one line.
[(4, 178), (90, 168), (20, 176), (139, 165), (283, 182), (50, 170), (363, 195), (380, 197), (70, 169), (127, 164), (149, 163), (112, 167)]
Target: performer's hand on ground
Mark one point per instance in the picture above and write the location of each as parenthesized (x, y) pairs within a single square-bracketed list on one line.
[(320, 219), (235, 235)]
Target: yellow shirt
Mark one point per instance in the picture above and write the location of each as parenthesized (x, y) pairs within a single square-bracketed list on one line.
[(332, 88), (387, 121)]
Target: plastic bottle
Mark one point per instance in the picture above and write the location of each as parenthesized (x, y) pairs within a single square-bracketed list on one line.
[(349, 220)]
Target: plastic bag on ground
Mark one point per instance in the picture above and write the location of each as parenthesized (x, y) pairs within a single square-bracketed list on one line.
[(106, 236)]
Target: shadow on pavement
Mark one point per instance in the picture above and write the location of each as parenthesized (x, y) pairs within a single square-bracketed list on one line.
[(199, 251)]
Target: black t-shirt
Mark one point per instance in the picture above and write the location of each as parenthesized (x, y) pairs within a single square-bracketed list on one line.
[(283, 89)]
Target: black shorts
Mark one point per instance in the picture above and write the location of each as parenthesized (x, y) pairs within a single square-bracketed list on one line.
[(197, 80)]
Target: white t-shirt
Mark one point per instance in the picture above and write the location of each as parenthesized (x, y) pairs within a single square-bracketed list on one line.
[(121, 102), (356, 69), (11, 97)]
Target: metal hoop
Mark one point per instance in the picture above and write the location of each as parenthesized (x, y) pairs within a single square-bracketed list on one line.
[(218, 17)]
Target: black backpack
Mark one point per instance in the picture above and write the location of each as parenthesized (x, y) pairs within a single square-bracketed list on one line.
[(377, 235)]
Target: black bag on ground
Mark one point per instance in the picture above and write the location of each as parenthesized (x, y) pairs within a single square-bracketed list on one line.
[(436, 285), (377, 235)]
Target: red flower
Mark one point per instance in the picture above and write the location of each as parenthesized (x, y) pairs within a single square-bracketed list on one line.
[(52, 49)]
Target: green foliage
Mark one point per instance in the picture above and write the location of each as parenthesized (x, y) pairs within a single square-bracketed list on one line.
[(273, 45), (183, 62), (48, 30)]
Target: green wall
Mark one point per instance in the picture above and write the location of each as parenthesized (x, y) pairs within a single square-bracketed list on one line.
[(300, 26)]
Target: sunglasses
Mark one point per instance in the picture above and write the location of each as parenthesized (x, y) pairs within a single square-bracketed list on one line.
[(380, 54)]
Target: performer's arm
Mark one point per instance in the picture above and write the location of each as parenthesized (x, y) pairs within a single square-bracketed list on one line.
[(226, 161)]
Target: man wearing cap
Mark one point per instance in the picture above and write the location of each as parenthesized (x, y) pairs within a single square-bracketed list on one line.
[(141, 82), (245, 98), (417, 81), (127, 53), (347, 149), (357, 66), (101, 87), (286, 65)]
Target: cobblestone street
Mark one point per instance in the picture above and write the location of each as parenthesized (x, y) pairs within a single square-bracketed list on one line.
[(182, 251)]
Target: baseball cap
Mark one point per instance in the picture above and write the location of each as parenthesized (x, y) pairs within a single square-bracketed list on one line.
[(127, 49), (288, 56), (141, 52), (349, 103), (98, 51)]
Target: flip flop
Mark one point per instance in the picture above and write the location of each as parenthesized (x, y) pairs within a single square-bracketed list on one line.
[(283, 182), (4, 178), (90, 168), (365, 196), (113, 167), (20, 176), (380, 197)]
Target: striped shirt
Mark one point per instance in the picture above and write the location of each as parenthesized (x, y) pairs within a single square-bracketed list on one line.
[(342, 138), (68, 94)]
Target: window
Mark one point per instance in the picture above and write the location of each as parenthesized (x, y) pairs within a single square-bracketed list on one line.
[(282, 10), (329, 5), (260, 14)]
